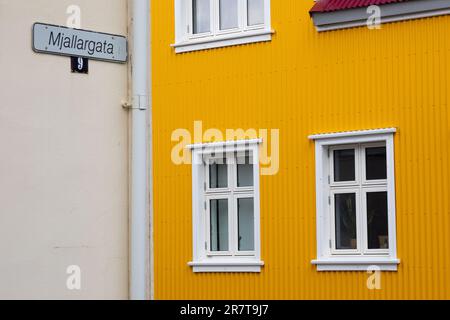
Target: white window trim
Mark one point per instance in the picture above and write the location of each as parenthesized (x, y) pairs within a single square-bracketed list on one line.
[(325, 261), (185, 41), (202, 262)]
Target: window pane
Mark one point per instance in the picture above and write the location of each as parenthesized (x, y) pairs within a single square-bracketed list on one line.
[(218, 173), (245, 172), (228, 14), (201, 16), (377, 220), (246, 225), (344, 165), (255, 14), (345, 219), (376, 163), (219, 225)]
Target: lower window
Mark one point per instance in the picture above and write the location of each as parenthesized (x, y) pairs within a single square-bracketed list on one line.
[(355, 201), (226, 207)]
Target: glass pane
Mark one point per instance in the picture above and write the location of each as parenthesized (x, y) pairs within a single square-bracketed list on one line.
[(345, 219), (219, 225), (201, 16), (218, 173), (255, 14), (376, 163), (344, 165), (246, 225), (377, 220), (245, 172), (228, 14)]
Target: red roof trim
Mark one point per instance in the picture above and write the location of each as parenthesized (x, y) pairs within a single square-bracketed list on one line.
[(335, 5)]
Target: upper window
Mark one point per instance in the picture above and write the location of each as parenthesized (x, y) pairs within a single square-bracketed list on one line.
[(204, 24), (226, 207), (355, 200)]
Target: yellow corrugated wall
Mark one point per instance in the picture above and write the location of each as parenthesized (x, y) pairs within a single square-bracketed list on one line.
[(304, 82)]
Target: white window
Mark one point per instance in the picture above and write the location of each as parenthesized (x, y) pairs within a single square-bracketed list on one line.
[(225, 191), (205, 24), (355, 190)]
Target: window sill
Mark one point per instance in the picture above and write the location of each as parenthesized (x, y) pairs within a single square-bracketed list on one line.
[(362, 264), (223, 41), (228, 266)]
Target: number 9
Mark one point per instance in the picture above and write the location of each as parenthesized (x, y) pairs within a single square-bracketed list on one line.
[(80, 64)]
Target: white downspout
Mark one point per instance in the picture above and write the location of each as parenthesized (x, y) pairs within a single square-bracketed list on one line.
[(140, 82)]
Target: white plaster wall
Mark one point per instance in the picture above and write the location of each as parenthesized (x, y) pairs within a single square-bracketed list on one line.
[(63, 159)]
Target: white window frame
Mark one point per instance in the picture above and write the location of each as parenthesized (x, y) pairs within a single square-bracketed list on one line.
[(233, 261), (186, 40), (338, 260)]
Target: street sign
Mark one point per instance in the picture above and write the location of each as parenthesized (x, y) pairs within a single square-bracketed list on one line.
[(64, 41)]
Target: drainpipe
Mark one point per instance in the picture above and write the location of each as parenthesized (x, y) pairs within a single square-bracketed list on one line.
[(140, 195)]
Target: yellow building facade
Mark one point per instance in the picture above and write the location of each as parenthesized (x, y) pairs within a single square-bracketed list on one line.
[(299, 83)]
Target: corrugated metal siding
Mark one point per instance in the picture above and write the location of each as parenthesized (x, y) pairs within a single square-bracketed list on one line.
[(303, 82), (334, 5)]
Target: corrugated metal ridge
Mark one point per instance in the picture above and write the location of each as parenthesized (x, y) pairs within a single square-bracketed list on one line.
[(335, 5)]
